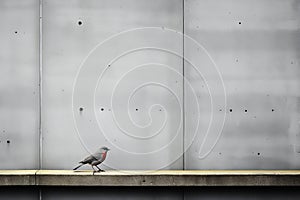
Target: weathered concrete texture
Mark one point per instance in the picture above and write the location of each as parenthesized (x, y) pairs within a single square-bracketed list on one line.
[(17, 177), (151, 178)]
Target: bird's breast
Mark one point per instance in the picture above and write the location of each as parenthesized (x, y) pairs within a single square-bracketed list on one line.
[(103, 156)]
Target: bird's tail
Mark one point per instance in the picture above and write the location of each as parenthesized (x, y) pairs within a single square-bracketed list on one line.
[(78, 166)]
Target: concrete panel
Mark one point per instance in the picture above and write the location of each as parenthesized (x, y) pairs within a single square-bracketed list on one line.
[(138, 100), (146, 178), (165, 178), (255, 46), (17, 177), (19, 90)]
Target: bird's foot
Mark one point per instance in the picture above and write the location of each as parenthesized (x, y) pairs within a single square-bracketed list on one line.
[(101, 170)]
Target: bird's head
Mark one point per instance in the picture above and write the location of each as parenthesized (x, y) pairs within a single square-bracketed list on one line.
[(104, 148)]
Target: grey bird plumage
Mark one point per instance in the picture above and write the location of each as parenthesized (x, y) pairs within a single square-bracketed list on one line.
[(95, 159)]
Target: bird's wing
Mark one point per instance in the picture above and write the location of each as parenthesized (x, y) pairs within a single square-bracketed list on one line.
[(88, 159), (98, 155)]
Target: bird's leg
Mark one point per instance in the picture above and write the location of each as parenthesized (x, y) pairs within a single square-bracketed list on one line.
[(93, 169), (100, 170)]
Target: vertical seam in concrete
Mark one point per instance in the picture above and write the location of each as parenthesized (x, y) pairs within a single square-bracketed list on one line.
[(183, 92), (40, 81)]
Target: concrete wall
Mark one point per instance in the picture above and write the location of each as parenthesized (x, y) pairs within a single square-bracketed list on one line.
[(137, 132), (159, 99), (237, 103), (19, 84), (255, 47)]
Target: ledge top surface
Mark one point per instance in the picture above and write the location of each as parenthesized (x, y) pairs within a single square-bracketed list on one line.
[(150, 172)]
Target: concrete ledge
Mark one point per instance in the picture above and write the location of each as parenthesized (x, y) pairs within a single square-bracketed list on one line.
[(151, 178), (17, 177)]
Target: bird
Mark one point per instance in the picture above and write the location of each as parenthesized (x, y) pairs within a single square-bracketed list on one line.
[(95, 159)]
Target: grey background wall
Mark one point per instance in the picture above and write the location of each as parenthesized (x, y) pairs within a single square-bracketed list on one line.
[(19, 84), (238, 108), (253, 46), (66, 43)]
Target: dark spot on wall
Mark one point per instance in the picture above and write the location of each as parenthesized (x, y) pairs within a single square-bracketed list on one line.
[(258, 154), (230, 110), (79, 22), (16, 32), (220, 110), (136, 109), (8, 141), (240, 22), (246, 111), (236, 60), (102, 109), (80, 109), (144, 180), (273, 110)]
